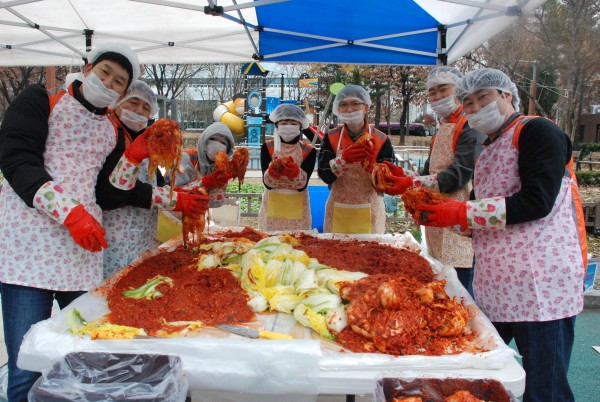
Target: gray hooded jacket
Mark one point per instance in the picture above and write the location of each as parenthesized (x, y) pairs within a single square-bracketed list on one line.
[(206, 166)]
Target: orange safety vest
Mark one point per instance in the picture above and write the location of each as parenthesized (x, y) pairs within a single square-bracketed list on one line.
[(304, 146), (459, 119), (520, 122), (378, 138)]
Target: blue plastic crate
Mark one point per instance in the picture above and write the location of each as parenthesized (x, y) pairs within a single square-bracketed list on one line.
[(318, 198)]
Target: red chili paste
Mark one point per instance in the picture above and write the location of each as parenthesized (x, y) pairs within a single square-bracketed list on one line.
[(366, 256)]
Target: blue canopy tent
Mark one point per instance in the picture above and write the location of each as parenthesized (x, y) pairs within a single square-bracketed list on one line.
[(398, 32), (409, 32)]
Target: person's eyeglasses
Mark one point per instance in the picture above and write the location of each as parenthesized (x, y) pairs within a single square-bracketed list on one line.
[(354, 106)]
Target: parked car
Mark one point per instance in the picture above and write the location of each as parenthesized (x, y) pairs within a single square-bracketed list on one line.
[(417, 129)]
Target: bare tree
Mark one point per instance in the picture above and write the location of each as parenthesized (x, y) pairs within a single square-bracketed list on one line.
[(570, 33), (226, 80), (171, 80), (15, 79)]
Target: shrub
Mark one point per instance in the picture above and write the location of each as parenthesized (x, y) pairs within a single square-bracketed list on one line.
[(252, 188), (587, 148), (588, 178)]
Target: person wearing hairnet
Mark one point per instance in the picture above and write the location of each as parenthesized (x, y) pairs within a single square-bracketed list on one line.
[(448, 169), (130, 212), (285, 204), (353, 206), (52, 146), (528, 231)]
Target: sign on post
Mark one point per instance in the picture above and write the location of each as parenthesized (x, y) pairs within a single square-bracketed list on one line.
[(308, 83)]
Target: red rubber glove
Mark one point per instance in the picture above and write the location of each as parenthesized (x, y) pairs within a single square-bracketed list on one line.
[(138, 149), (394, 169), (85, 230), (450, 213), (215, 179), (273, 172), (194, 205), (291, 171), (371, 154), (354, 153), (401, 184)]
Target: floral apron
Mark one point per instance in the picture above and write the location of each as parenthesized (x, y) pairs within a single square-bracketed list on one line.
[(353, 205), (446, 245), (530, 271), (35, 250), (285, 208), (129, 231)]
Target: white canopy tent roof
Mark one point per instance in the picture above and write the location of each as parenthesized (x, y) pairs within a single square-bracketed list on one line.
[(411, 32)]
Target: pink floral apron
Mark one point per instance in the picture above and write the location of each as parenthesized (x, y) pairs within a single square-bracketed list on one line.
[(129, 231), (285, 208), (446, 245), (530, 271), (352, 196), (35, 250)]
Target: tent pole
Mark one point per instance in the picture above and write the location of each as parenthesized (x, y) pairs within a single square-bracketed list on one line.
[(88, 42), (442, 55)]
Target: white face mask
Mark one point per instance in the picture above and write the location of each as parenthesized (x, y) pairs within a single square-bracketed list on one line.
[(212, 147), (445, 106), (288, 132), (96, 93), (487, 120), (352, 118), (133, 121)]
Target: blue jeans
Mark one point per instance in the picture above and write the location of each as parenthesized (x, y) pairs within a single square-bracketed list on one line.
[(465, 276), (22, 307), (546, 349)]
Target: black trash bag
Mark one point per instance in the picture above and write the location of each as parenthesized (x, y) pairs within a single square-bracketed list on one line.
[(86, 376)]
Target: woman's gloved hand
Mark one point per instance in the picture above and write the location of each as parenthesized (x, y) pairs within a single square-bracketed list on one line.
[(354, 153), (215, 179), (291, 171), (85, 229), (450, 213), (273, 171), (138, 150), (399, 186), (191, 204), (394, 169)]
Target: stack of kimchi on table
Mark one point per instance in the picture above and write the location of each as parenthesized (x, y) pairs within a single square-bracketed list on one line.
[(363, 302)]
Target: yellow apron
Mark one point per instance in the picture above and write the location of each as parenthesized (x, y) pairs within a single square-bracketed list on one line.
[(351, 218), (285, 208), (353, 205), (168, 226), (285, 204)]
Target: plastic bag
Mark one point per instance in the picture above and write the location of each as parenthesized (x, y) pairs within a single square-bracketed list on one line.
[(83, 376)]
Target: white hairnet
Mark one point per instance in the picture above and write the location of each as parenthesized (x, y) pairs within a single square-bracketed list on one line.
[(487, 78), (286, 111), (443, 75), (351, 92), (118, 48), (141, 90)]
